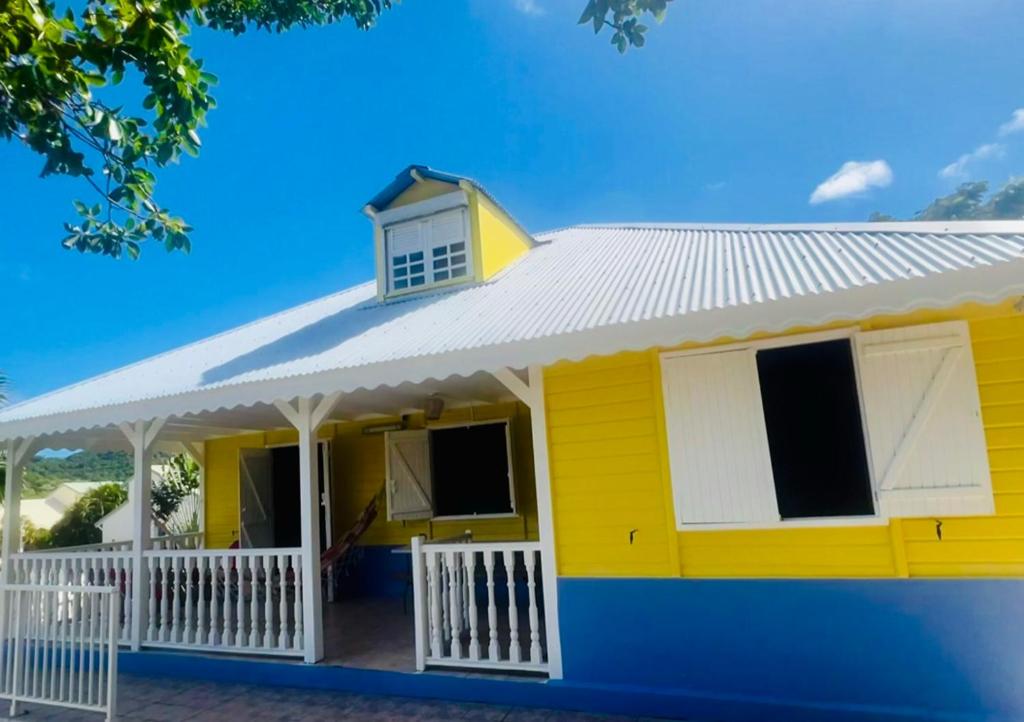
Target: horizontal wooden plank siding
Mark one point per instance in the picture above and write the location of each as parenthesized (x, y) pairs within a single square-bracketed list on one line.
[(609, 478), (607, 468)]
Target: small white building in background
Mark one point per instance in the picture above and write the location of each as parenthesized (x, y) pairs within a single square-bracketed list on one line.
[(45, 512), (117, 525)]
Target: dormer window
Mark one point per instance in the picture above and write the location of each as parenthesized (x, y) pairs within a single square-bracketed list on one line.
[(427, 251), (434, 229)]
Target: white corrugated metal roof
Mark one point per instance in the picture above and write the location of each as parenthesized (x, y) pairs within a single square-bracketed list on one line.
[(583, 290)]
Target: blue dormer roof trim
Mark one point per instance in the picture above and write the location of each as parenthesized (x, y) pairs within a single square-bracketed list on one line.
[(405, 179)]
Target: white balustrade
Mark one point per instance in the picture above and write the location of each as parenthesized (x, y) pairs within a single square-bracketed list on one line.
[(461, 588), (58, 646), (83, 569), (242, 601)]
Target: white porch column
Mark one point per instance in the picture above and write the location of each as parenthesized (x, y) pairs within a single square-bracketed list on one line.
[(17, 455), (197, 450), (141, 435), (531, 393), (307, 418)]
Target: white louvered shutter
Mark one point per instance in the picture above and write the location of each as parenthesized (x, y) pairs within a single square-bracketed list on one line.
[(409, 488), (718, 445), (923, 417)]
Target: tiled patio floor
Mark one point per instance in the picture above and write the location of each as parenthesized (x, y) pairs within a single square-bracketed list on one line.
[(162, 700)]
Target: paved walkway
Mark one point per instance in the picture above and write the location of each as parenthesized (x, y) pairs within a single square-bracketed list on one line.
[(157, 700)]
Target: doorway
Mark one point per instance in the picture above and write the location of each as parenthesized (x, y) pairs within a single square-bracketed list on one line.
[(270, 512)]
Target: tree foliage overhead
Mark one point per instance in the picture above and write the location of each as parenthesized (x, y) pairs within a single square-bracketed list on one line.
[(971, 202), (58, 75), (623, 17)]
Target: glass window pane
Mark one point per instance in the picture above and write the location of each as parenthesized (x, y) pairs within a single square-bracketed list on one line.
[(401, 272), (397, 260), (459, 260), (399, 284), (440, 251), (416, 268), (458, 247), (417, 256), (417, 280), (441, 276), (456, 272), (441, 263)]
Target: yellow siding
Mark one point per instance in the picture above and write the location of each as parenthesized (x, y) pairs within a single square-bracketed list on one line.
[(358, 465), (609, 460), (500, 239), (421, 191)]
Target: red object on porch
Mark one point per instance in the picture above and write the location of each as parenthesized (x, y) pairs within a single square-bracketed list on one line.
[(349, 539)]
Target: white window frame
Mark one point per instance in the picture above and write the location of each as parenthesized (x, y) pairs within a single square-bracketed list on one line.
[(839, 334), (427, 249), (511, 469)]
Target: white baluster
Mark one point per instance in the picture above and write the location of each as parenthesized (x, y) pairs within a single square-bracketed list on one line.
[(225, 604), (282, 602), (436, 603), (268, 602), (152, 590), (446, 571), (211, 638), (202, 621), (189, 563), (254, 601), (474, 635), (515, 653), (530, 560), (299, 581), (455, 602), (493, 651), (165, 601), (240, 565)]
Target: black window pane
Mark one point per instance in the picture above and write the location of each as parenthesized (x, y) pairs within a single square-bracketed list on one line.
[(812, 413), (417, 256), (416, 280), (439, 251), (470, 470)]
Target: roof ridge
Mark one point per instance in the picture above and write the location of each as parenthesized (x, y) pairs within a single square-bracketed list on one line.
[(968, 226)]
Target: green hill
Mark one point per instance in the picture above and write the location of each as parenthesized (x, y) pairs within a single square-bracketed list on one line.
[(45, 474)]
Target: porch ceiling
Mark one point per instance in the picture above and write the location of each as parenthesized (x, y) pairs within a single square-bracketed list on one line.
[(383, 402)]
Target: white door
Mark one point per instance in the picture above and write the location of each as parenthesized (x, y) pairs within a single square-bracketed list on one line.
[(255, 470)]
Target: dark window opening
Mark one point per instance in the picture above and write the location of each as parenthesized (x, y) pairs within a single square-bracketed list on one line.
[(815, 436), (470, 468)]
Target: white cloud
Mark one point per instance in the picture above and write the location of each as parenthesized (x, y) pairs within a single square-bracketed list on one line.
[(958, 168), (854, 177), (529, 7), (1015, 124)]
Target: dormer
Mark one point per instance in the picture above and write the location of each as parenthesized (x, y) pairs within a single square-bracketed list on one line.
[(434, 230)]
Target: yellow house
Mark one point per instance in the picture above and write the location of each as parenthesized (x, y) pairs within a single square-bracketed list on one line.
[(714, 471)]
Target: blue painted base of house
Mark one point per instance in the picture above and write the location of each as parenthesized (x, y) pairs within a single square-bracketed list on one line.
[(787, 650), (811, 649)]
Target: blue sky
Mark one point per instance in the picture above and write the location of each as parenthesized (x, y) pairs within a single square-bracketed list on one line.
[(735, 111)]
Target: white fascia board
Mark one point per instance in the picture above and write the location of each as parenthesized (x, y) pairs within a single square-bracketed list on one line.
[(429, 207), (985, 284)]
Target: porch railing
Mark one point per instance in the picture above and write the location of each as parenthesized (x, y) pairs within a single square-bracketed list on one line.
[(59, 647), (81, 568), (242, 601), (479, 605), (232, 600)]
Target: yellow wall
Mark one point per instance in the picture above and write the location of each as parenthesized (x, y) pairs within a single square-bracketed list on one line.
[(358, 473), (609, 465), (500, 240), (421, 191)]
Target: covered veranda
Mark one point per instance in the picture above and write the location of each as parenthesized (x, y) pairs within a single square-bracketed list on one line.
[(474, 605)]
